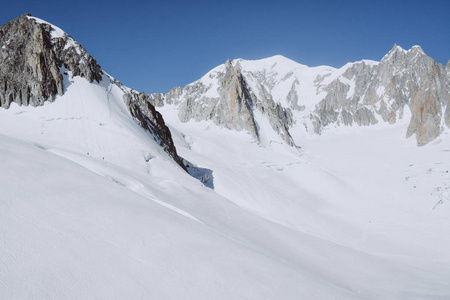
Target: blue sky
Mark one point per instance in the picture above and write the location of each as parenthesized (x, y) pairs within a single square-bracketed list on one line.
[(153, 46)]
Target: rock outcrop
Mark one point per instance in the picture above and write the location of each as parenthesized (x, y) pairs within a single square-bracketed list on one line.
[(228, 102), (343, 106), (144, 111), (401, 80), (31, 57), (34, 57), (29, 72)]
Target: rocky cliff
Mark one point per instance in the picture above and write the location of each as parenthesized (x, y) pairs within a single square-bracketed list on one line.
[(32, 54), (225, 97), (34, 58), (152, 121), (402, 80)]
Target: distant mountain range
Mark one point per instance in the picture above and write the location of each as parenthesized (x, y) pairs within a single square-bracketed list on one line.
[(404, 85)]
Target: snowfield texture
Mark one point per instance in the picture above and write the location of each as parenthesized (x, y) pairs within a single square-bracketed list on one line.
[(92, 207)]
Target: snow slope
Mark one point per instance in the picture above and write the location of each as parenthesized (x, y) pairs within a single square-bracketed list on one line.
[(92, 207), (75, 225), (366, 190)]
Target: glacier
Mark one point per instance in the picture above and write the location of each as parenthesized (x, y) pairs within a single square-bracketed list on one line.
[(93, 206)]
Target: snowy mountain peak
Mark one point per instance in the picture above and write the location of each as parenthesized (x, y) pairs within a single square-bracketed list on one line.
[(294, 99), (33, 53), (55, 31), (417, 48), (39, 63), (397, 53), (277, 63), (397, 48)]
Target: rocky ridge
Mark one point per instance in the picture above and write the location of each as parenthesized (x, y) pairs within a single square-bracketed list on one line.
[(230, 103), (402, 80), (34, 58), (152, 121), (290, 95)]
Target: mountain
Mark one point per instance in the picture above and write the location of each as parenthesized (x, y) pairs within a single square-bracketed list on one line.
[(38, 61), (95, 200), (294, 98)]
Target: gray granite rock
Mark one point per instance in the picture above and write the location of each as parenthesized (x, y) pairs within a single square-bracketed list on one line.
[(29, 70), (364, 94), (232, 106), (402, 79), (151, 120), (31, 61)]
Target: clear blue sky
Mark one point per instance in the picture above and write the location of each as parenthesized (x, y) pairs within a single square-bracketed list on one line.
[(153, 46)]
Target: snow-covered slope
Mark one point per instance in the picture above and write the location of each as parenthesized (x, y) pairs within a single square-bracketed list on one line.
[(38, 62), (365, 190), (77, 228), (91, 205)]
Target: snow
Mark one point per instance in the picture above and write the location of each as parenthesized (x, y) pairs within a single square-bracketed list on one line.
[(281, 63), (395, 49), (370, 62), (92, 207), (380, 91), (348, 187), (6, 44), (68, 233), (278, 75), (56, 31)]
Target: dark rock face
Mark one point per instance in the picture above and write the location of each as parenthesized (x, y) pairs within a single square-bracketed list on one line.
[(152, 121), (32, 57), (31, 61), (29, 73), (75, 58)]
